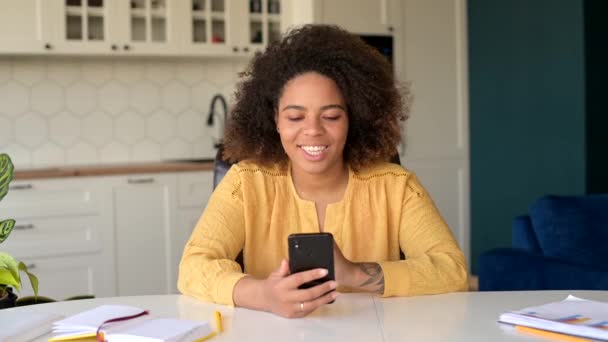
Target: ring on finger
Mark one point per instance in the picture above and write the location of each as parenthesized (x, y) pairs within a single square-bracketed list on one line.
[(301, 306)]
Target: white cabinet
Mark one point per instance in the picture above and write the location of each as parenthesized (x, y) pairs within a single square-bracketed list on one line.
[(144, 209), (154, 216), (22, 26), (112, 26), (147, 26), (63, 277), (194, 190), (231, 27), (62, 234), (140, 27), (373, 17)]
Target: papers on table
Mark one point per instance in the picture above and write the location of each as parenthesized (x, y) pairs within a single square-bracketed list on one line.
[(572, 316)]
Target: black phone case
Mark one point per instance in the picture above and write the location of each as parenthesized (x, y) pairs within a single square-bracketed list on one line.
[(309, 251)]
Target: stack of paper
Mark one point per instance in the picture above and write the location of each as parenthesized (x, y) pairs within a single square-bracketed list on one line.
[(19, 326), (572, 316), (141, 329)]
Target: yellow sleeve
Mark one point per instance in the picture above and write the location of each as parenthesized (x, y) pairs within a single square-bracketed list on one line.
[(207, 270), (434, 263)]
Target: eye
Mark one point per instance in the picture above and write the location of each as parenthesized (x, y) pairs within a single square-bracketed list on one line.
[(294, 118), (332, 117)]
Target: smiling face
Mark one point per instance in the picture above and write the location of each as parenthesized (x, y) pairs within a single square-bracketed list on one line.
[(313, 124)]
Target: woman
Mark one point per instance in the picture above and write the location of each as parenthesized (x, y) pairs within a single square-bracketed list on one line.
[(316, 118)]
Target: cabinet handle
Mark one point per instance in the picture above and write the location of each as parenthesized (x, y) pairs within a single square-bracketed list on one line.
[(235, 49), (24, 226), (114, 47), (126, 47), (140, 180), (30, 266), (246, 49), (48, 46), (21, 187)]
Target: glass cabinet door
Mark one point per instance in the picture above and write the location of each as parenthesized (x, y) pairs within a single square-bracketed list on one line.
[(84, 21), (148, 21), (208, 22), (264, 21)]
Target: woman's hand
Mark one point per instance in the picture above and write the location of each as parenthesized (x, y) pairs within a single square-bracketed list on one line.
[(344, 268), (362, 276), (280, 295)]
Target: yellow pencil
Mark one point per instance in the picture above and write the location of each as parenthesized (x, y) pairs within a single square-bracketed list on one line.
[(218, 321), (208, 337), (551, 334)]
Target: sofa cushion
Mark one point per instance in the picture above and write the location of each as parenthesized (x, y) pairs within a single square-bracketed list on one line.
[(574, 228)]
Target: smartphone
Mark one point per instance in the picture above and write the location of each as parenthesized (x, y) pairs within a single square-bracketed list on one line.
[(308, 251)]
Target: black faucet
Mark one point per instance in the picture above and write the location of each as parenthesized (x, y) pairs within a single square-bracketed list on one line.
[(212, 113)]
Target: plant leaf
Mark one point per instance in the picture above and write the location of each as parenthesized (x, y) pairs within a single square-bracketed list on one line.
[(6, 278), (7, 171), (11, 265), (33, 278), (6, 227)]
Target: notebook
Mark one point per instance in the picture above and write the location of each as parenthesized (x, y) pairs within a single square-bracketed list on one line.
[(572, 316), (141, 329), (18, 326)]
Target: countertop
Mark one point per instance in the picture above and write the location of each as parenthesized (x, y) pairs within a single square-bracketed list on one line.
[(113, 169)]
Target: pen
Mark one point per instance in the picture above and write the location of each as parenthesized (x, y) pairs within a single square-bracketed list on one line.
[(551, 334), (218, 321)]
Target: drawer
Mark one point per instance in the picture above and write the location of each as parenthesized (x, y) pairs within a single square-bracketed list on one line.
[(60, 278), (54, 236), (47, 198), (194, 188)]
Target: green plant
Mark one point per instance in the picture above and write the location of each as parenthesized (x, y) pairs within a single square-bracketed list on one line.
[(10, 268)]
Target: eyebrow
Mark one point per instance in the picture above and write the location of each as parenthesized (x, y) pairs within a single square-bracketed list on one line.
[(326, 107)]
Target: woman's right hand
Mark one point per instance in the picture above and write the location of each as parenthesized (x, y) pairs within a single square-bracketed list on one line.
[(282, 297)]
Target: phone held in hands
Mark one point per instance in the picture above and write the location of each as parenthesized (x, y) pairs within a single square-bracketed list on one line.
[(308, 251)]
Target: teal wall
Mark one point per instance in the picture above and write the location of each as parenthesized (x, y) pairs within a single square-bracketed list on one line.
[(527, 102)]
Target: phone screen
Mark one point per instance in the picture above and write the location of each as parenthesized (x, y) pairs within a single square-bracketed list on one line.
[(309, 251)]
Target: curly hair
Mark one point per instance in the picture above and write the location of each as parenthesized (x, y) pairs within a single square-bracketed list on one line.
[(375, 104)]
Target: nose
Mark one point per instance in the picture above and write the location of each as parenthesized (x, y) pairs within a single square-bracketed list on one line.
[(313, 126)]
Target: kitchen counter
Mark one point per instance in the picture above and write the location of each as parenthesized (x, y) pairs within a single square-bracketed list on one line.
[(113, 169)]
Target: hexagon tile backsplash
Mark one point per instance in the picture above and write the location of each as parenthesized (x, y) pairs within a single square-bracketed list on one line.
[(57, 111)]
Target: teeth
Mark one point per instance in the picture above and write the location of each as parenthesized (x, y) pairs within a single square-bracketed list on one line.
[(314, 150)]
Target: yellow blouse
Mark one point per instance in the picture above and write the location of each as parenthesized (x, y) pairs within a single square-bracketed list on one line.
[(384, 210)]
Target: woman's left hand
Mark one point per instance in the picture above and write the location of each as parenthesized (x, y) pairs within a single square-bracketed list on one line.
[(343, 268), (362, 276)]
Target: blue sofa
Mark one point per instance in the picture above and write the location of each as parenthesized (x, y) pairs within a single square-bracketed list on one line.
[(562, 244)]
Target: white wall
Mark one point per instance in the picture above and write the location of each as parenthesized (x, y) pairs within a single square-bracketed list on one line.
[(57, 111), (435, 63)]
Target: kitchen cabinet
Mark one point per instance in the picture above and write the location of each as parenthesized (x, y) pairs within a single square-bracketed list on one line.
[(140, 27), (154, 217), (231, 27), (112, 26), (106, 236), (143, 220), (62, 234), (22, 26), (194, 190), (63, 277), (368, 17)]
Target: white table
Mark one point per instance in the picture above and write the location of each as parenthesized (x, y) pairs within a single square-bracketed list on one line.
[(468, 316)]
